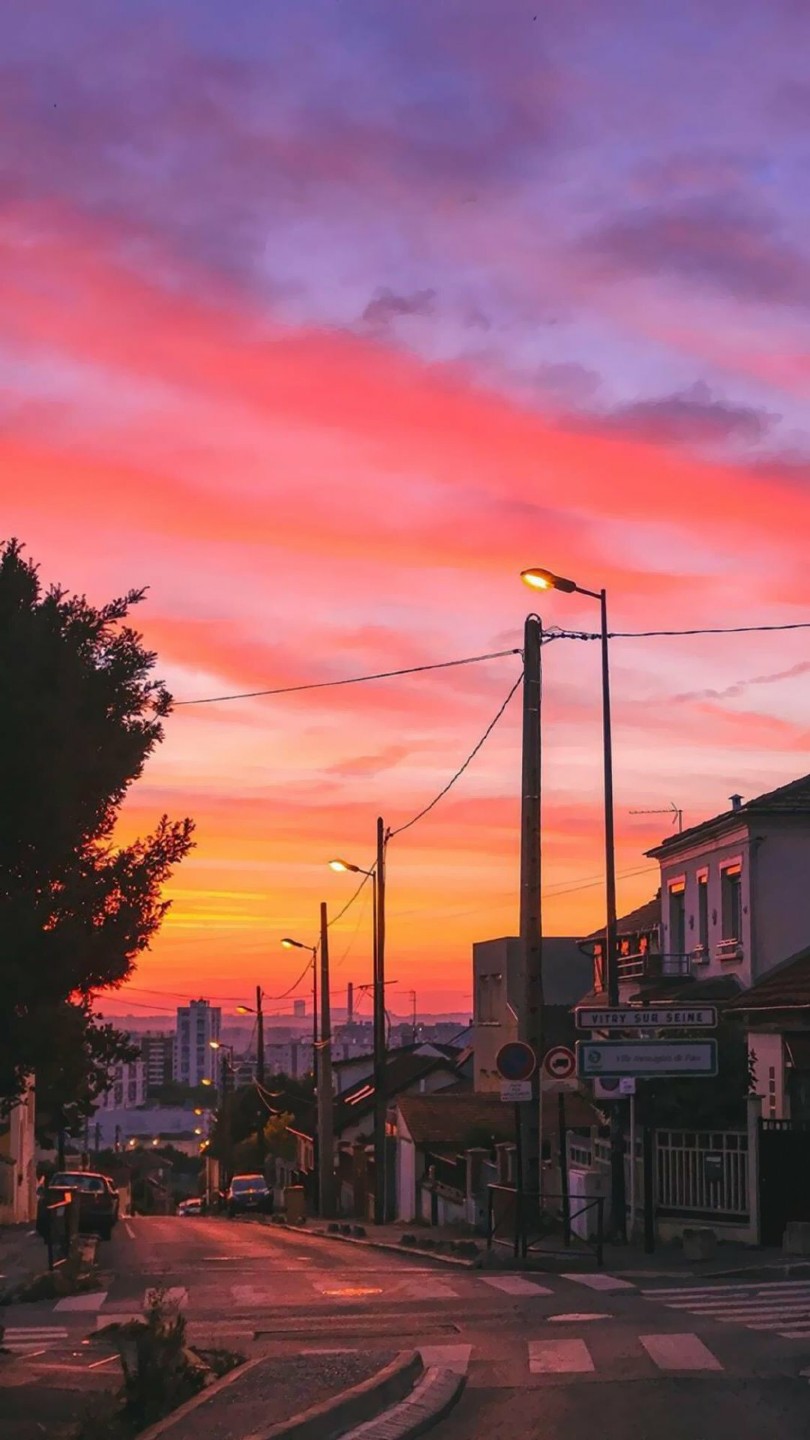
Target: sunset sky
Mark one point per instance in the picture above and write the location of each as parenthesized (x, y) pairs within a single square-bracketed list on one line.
[(323, 319)]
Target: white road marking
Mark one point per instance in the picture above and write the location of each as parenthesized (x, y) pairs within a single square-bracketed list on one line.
[(427, 1290), (559, 1357), (515, 1285), (679, 1352), (92, 1300), (574, 1319), (34, 1339), (106, 1361), (129, 1230), (599, 1281), (762, 1287), (447, 1357), (102, 1321)]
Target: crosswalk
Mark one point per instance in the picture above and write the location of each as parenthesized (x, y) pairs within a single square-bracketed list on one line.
[(33, 1339), (608, 1356), (779, 1306)]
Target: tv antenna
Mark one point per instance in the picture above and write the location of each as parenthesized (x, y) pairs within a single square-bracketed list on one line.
[(677, 815)]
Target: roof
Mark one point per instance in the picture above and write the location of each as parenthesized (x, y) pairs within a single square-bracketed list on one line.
[(720, 988), (787, 987), (450, 1119), (400, 1072), (645, 917), (791, 799)]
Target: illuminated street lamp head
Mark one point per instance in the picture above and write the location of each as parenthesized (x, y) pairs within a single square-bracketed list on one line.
[(342, 865), (214, 1045), (538, 579), (206, 1081), (246, 1009), (293, 944)]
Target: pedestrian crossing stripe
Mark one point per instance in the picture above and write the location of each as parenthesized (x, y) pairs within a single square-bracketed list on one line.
[(782, 1307), (21, 1340)]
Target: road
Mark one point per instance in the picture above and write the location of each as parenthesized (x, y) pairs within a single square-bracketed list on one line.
[(543, 1355)]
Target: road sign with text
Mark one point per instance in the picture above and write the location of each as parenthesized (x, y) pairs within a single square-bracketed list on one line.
[(653, 1017), (597, 1058), (515, 1092)]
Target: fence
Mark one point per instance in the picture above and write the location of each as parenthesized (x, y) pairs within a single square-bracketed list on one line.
[(702, 1174), (527, 1223)]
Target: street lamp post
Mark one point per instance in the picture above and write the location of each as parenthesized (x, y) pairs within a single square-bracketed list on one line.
[(290, 944), (226, 1092), (538, 579), (377, 878), (259, 1013)]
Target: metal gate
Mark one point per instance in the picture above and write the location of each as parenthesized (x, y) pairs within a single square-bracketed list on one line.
[(784, 1176)]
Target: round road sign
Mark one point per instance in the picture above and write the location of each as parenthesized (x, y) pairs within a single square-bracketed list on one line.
[(516, 1061), (559, 1062)]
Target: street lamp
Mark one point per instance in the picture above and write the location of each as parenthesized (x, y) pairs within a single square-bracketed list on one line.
[(313, 950), (377, 878), (539, 579)]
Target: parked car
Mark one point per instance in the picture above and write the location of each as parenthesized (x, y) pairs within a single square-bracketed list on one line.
[(248, 1193), (194, 1206), (95, 1195)]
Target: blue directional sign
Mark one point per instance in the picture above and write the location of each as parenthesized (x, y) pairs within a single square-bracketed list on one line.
[(516, 1061)]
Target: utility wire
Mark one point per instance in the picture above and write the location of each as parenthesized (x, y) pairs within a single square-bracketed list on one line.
[(451, 782), (654, 634), (352, 680)]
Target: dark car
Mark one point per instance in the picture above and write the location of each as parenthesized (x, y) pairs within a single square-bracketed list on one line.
[(248, 1194), (95, 1195)]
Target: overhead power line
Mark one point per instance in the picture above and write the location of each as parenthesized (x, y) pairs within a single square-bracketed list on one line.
[(350, 680), (656, 634)]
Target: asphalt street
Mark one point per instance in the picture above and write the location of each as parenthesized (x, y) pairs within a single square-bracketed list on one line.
[(543, 1354)]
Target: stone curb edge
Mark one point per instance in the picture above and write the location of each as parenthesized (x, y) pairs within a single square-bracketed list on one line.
[(161, 1426), (428, 1403), (344, 1412), (398, 1249)]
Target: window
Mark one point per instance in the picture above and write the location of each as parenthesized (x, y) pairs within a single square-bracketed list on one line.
[(489, 987), (703, 913), (677, 919), (731, 893)]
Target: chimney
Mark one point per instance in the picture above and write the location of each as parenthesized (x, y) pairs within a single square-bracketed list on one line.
[(736, 801), (350, 1002)]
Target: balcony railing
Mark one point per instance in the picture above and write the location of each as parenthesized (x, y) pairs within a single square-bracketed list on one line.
[(653, 966)]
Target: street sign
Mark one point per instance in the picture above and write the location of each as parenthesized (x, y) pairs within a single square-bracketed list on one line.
[(646, 1057), (516, 1061), (654, 1017), (514, 1092), (614, 1089), (559, 1062)]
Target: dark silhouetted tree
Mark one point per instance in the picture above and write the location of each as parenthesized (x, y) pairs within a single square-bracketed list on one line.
[(79, 716)]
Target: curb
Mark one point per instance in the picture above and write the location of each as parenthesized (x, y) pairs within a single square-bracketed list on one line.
[(404, 1250), (429, 1402), (161, 1426), (343, 1413)]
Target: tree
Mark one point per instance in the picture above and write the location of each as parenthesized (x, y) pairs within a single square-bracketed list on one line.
[(80, 716), (78, 1053)]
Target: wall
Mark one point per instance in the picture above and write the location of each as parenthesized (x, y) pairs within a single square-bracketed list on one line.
[(406, 1178), (495, 970), (769, 1075), (782, 894), (710, 855), (18, 1201)]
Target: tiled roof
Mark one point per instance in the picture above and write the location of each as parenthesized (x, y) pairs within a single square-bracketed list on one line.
[(645, 917), (449, 1119), (785, 988), (791, 799)]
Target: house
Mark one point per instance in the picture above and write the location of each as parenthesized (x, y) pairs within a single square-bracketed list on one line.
[(567, 976), (734, 894), (18, 1181), (776, 1013), (446, 1146)]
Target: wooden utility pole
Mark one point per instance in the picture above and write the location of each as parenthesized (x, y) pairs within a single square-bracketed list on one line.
[(260, 1076), (530, 994), (380, 1098), (326, 1136)]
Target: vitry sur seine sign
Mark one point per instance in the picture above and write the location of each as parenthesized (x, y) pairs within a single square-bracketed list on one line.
[(656, 1017)]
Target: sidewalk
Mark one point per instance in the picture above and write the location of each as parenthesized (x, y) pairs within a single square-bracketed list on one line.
[(22, 1256)]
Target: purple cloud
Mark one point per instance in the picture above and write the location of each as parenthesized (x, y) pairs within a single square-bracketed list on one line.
[(725, 248), (693, 416)]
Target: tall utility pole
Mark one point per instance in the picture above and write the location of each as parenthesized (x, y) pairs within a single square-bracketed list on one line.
[(380, 1099), (326, 1142), (618, 1208), (260, 1074), (530, 996)]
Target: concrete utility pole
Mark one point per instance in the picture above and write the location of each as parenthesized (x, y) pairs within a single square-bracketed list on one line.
[(530, 996), (326, 1134), (260, 1075), (618, 1204), (380, 1099)]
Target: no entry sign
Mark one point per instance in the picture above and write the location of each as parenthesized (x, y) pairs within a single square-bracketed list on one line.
[(516, 1061)]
